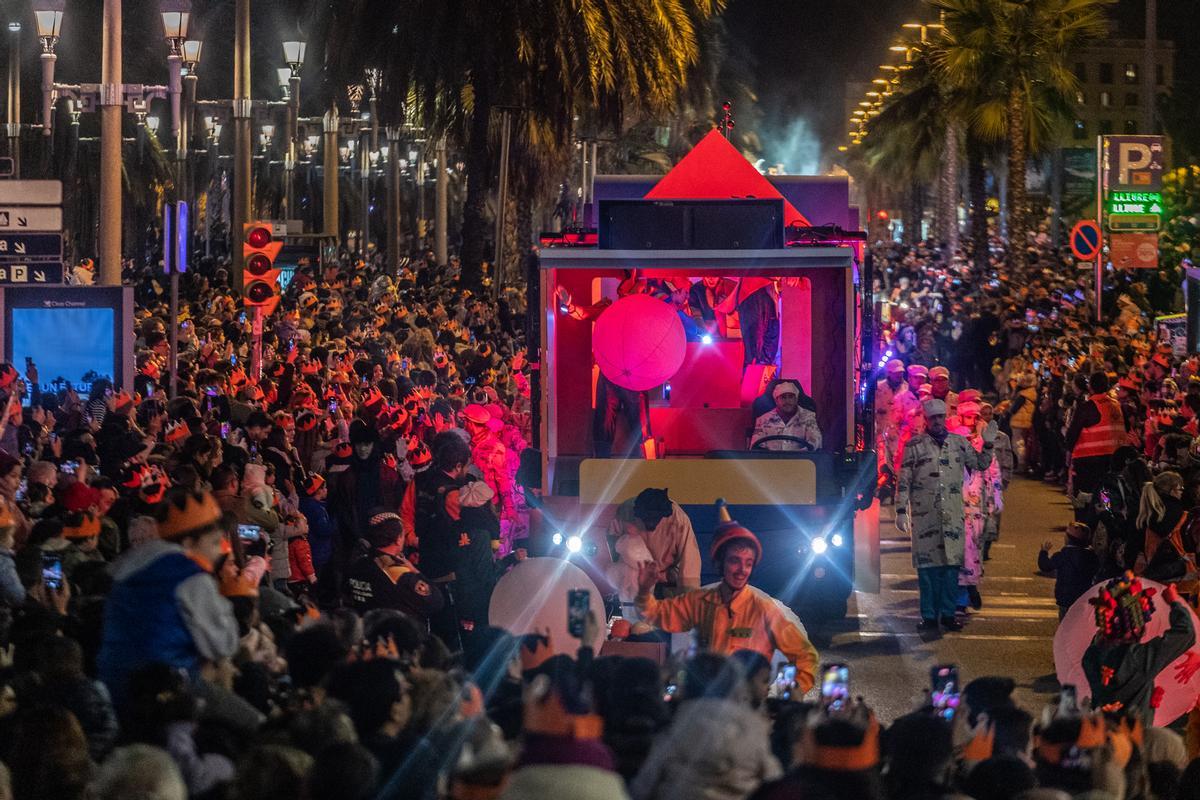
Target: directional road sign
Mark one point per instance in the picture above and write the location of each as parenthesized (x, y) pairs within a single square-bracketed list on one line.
[(1086, 240), (30, 218), (31, 193), (31, 274), (30, 247)]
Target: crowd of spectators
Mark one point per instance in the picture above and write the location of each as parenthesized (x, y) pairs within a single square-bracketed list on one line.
[(269, 588)]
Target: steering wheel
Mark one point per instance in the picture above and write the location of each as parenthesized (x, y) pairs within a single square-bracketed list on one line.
[(805, 445)]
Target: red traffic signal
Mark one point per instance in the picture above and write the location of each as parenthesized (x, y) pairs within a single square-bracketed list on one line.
[(259, 277), (257, 235)]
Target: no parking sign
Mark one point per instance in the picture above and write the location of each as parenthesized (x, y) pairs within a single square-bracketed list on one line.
[(1086, 240)]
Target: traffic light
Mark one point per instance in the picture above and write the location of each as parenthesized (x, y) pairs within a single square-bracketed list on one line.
[(260, 279)]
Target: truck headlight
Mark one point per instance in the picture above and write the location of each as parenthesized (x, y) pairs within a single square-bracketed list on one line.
[(574, 544), (819, 545), (837, 540)]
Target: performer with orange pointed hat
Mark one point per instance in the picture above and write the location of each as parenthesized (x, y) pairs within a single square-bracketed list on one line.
[(732, 615)]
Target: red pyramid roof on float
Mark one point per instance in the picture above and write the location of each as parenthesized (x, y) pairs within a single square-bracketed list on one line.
[(715, 170)]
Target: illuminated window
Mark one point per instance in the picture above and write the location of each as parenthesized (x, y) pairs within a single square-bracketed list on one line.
[(1080, 131), (1131, 73), (1105, 99), (1080, 97)]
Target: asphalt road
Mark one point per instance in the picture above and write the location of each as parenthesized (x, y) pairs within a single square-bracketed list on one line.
[(1011, 635)]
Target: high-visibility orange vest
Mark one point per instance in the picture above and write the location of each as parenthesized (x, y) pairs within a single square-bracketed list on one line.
[(1103, 438)]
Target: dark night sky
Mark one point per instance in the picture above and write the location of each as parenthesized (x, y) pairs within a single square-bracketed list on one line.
[(805, 50), (802, 51)]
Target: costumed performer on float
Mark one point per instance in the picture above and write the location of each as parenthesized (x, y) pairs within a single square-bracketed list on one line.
[(1120, 668), (613, 402), (732, 615)]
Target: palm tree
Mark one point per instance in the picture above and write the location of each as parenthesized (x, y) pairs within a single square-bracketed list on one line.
[(449, 65), (905, 144), (1011, 58)]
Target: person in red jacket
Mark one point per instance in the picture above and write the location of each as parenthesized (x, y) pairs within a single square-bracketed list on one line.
[(302, 574)]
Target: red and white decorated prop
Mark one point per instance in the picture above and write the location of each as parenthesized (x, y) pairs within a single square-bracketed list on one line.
[(639, 342), (1179, 682)]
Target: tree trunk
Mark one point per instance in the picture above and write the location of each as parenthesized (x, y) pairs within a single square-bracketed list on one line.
[(948, 190), (915, 213), (525, 237), (1017, 212), (977, 197), (512, 241), (479, 184), (1056, 196)]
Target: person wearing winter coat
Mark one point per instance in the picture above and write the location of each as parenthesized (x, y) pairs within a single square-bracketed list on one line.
[(384, 578), (717, 748), (1074, 567), (931, 480), (321, 527), (164, 606)]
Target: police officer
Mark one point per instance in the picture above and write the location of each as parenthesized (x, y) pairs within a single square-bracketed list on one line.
[(384, 578)]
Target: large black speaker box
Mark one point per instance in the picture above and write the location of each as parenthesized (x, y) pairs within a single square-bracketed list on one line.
[(755, 224)]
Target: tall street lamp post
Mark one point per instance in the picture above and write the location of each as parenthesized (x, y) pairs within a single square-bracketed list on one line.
[(14, 97), (175, 29), (110, 96), (329, 147), (243, 144), (185, 189), (394, 134), (293, 56)]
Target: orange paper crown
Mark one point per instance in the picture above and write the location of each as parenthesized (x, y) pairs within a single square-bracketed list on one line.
[(851, 758)]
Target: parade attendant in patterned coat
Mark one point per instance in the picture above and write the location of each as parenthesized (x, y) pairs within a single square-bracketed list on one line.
[(895, 403), (931, 483), (939, 385), (981, 495), (1004, 466)]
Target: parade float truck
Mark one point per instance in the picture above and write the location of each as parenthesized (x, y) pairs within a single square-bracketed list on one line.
[(715, 216)]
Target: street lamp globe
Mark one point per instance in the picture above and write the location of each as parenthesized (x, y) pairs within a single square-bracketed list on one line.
[(191, 53), (175, 24), (293, 54), (49, 26), (152, 123)]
